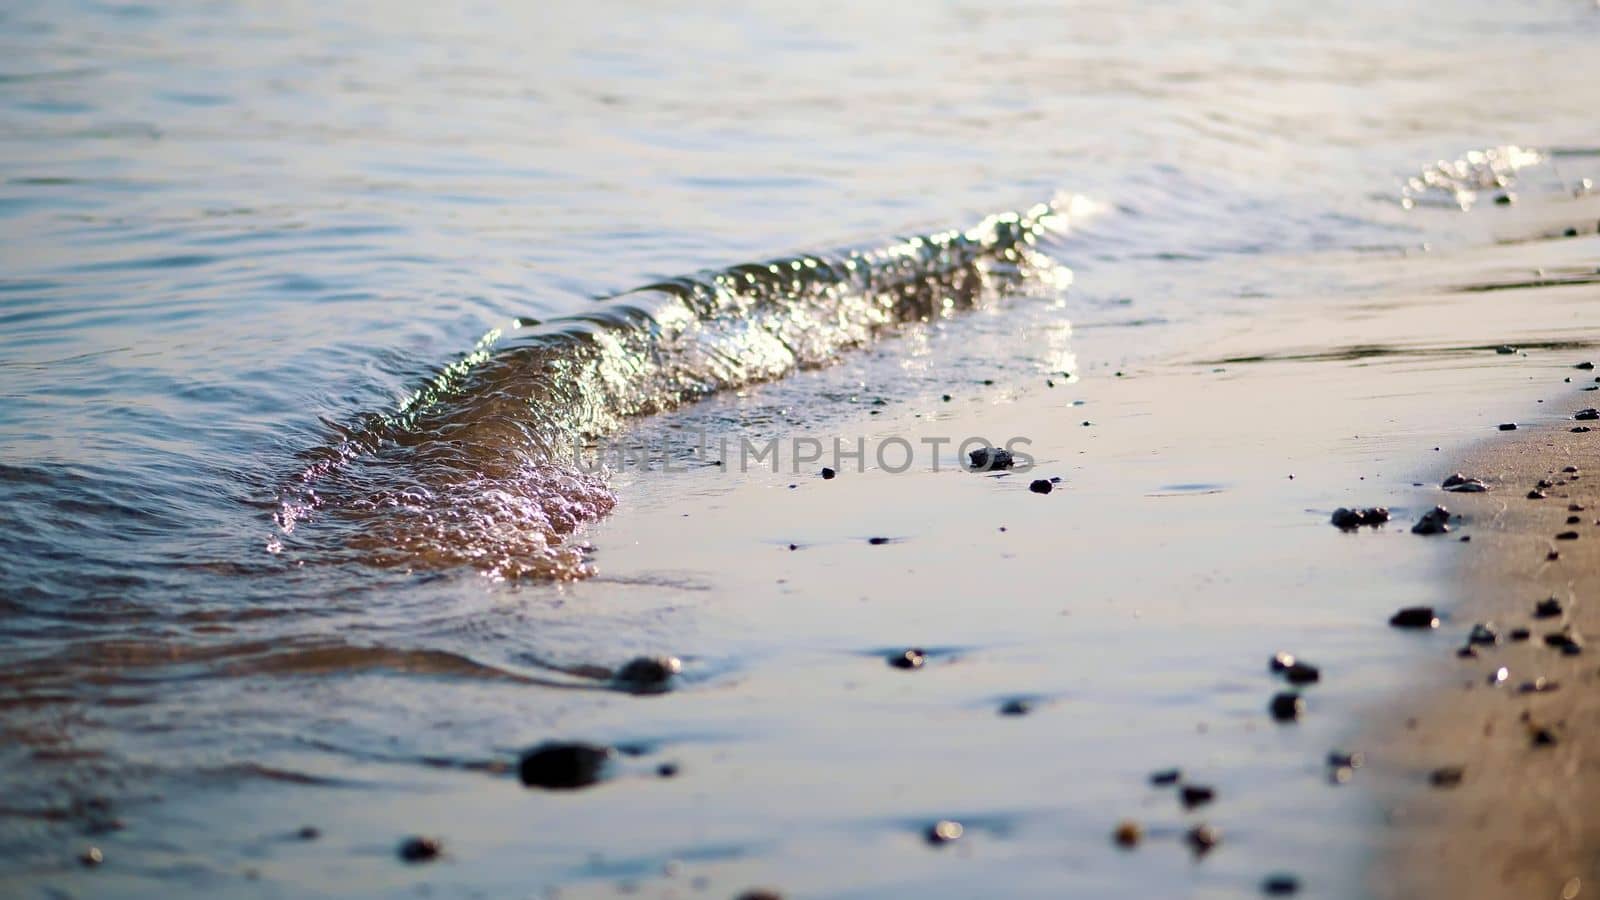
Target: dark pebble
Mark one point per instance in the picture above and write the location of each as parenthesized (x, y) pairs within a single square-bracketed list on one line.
[(943, 832), (1586, 366), (420, 849), (990, 459), (1415, 617), (1539, 686), (1580, 429), (1166, 777), (1548, 609), (828, 473), (1544, 737), (760, 894), (648, 673), (1508, 426), (1202, 838), (1302, 673), (1484, 634), (1041, 486), (308, 833), (1355, 518), (1128, 834), (1520, 634), (1569, 469), (564, 766), (1194, 795), (1339, 759), (1504, 199), (1505, 349), (1587, 415), (1536, 494), (1447, 777), (1567, 536), (1573, 520), (912, 658), (1286, 706), (877, 541), (1467, 652), (1280, 885), (1463, 484), (1016, 708), (1434, 521), (1280, 661), (667, 770), (1563, 640)]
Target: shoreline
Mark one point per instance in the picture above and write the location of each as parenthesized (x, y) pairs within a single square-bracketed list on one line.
[(1522, 820)]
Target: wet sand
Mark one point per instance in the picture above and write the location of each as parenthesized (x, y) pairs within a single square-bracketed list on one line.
[(1525, 819)]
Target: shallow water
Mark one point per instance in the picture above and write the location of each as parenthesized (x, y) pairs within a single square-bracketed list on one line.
[(235, 237)]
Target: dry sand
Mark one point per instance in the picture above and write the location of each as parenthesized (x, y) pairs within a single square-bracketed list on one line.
[(1525, 820)]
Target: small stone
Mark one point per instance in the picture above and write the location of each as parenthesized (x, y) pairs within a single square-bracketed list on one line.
[(1016, 707), (91, 857), (420, 849), (1280, 662), (990, 459), (1585, 366), (1434, 521), (877, 541), (1566, 640), (760, 894), (1338, 758), (1537, 494), (1505, 349), (1567, 536), (1540, 685), (1587, 415), (1543, 737), (667, 770), (1286, 706), (1467, 652), (943, 832), (1580, 429), (308, 833), (1340, 775), (1505, 199), (1573, 520), (1128, 834), (1544, 484), (1462, 484), (1446, 777), (1193, 795), (1348, 519), (648, 674), (1302, 673), (1498, 676), (828, 474), (1520, 634), (1569, 469), (1549, 608), (1280, 885), (1041, 486), (1203, 838), (564, 766), (911, 658), (1484, 635), (1415, 617), (1508, 426), (1166, 777)]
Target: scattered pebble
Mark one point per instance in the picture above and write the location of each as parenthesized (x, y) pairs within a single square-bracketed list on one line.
[(1280, 885), (648, 673), (1587, 415), (1548, 609), (1567, 536), (1287, 706), (1580, 429), (1540, 685), (1341, 759), (1041, 486), (1415, 617), (1128, 833), (1536, 494), (1203, 838), (1498, 676), (1520, 634), (990, 459), (667, 770), (1016, 707), (943, 832), (1349, 519), (760, 894), (877, 541), (1543, 737), (1194, 795), (828, 473), (308, 833), (91, 857), (1302, 673), (1504, 349), (1573, 520), (1462, 484), (911, 658), (1484, 635), (1446, 777), (1508, 426), (1281, 661), (1434, 521), (1166, 777), (564, 766), (1585, 366), (420, 849), (1566, 640)]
